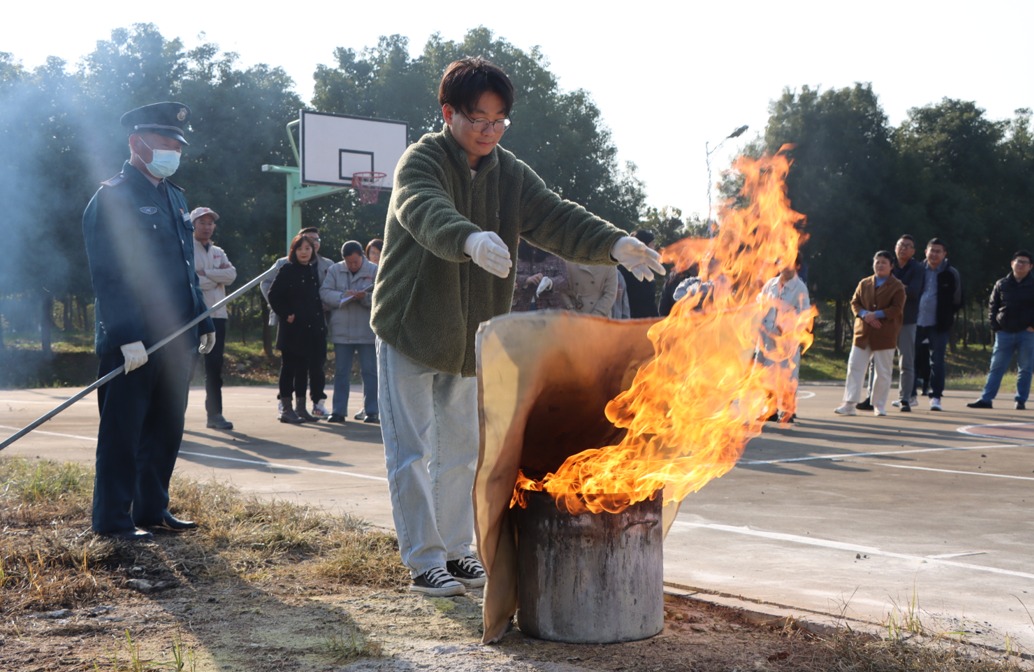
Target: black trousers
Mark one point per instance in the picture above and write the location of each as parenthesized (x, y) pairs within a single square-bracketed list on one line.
[(138, 440), (214, 370)]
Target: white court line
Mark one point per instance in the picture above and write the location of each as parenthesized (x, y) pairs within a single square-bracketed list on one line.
[(805, 394), (969, 430), (955, 471), (835, 457), (854, 548), (57, 434), (274, 465)]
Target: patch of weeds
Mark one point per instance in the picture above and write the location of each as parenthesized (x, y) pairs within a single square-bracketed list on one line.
[(350, 646)]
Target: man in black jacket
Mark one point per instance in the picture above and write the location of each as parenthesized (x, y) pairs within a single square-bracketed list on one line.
[(940, 300), (1011, 314)]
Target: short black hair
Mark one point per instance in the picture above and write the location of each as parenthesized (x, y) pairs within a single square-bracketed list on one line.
[(908, 237), (1022, 253), (350, 248), (937, 241), (310, 229), (886, 254), (466, 79)]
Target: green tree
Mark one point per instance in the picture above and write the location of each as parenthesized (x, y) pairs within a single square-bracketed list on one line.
[(841, 180)]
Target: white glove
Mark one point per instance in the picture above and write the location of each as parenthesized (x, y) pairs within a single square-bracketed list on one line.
[(638, 258), (135, 355), (207, 343), (544, 286), (487, 250)]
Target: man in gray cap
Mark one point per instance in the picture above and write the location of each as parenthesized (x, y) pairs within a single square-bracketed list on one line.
[(140, 245)]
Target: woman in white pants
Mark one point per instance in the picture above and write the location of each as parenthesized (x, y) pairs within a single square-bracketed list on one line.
[(877, 304)]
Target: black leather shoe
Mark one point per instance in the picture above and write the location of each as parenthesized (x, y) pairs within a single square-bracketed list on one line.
[(372, 418), (135, 534), (1021, 406), (171, 522), (979, 403), (864, 405), (335, 417)]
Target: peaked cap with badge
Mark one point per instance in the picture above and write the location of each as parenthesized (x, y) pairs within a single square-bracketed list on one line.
[(168, 119)]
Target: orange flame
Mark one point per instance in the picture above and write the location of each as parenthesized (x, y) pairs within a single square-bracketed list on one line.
[(691, 409)]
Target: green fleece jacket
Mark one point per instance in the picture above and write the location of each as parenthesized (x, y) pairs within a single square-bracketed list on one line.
[(430, 297)]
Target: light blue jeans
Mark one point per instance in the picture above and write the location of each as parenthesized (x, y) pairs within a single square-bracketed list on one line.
[(1006, 343), (429, 423), (343, 353)]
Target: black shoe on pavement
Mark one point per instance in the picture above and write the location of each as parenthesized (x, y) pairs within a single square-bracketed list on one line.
[(372, 418), (437, 582), (336, 417), (217, 421), (1021, 406), (467, 571), (906, 407), (865, 405), (979, 403)]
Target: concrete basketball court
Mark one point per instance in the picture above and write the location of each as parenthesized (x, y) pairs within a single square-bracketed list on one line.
[(859, 520)]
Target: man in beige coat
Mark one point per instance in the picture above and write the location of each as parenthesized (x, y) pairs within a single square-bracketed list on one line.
[(878, 305)]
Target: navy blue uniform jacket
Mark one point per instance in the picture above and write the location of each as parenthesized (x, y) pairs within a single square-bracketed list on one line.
[(140, 244)]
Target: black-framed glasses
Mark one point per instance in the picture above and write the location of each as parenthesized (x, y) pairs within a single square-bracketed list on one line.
[(497, 126)]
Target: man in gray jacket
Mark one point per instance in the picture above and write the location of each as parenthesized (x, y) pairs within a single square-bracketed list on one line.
[(347, 293)]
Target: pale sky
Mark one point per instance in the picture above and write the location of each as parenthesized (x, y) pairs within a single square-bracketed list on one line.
[(667, 78)]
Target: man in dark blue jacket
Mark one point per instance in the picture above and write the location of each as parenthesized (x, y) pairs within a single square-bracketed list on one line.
[(1011, 314), (140, 245)]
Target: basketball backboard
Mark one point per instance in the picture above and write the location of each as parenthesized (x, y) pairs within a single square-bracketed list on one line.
[(335, 146)]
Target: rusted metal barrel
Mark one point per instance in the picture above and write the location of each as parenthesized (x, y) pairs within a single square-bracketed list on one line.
[(590, 578)]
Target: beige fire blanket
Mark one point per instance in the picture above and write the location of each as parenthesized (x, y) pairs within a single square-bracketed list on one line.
[(544, 379)]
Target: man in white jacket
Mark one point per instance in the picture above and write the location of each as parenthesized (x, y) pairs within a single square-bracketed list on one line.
[(214, 272)]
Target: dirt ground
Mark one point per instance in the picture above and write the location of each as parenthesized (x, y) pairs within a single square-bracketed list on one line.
[(156, 621)]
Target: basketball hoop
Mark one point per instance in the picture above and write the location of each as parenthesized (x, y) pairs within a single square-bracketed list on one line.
[(368, 184)]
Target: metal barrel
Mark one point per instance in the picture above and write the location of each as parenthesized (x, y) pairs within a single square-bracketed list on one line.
[(589, 578)]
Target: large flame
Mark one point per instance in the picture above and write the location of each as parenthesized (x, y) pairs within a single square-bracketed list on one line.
[(691, 409)]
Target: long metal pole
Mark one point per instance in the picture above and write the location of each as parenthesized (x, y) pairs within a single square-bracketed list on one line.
[(115, 373)]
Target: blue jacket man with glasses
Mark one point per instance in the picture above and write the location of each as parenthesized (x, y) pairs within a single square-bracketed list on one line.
[(459, 206), (1011, 314)]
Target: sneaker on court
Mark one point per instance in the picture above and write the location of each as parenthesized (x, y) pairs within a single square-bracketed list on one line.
[(319, 411), (845, 409), (865, 405), (896, 403), (467, 571), (935, 404), (914, 401), (906, 407), (437, 582)]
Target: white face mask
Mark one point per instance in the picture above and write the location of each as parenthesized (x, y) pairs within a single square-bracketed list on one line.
[(164, 162)]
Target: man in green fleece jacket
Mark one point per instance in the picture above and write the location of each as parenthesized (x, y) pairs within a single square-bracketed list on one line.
[(459, 206)]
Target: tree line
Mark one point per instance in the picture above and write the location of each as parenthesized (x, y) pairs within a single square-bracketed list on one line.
[(947, 171)]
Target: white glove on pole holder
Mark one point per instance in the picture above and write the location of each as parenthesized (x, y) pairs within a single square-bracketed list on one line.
[(135, 355)]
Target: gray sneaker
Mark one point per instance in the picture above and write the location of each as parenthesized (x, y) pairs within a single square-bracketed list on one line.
[(467, 571), (437, 582)]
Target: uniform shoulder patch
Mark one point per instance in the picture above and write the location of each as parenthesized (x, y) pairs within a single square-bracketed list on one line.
[(114, 181)]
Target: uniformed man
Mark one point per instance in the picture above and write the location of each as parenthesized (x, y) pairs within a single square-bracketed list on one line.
[(140, 244)]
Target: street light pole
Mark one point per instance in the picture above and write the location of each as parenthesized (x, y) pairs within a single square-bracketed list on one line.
[(707, 148)]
